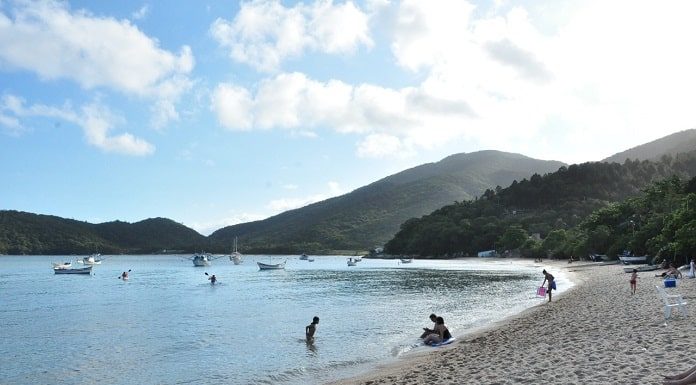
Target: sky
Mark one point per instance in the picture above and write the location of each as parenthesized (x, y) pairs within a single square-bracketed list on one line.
[(213, 113)]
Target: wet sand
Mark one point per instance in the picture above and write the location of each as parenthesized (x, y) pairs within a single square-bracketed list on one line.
[(595, 333)]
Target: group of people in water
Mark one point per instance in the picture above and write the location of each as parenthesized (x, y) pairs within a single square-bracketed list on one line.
[(439, 332)]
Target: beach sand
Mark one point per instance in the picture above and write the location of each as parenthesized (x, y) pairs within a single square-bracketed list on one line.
[(594, 333)]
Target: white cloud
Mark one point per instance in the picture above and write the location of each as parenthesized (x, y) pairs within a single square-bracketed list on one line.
[(96, 122), (49, 39), (292, 101), (141, 13), (574, 81), (264, 32)]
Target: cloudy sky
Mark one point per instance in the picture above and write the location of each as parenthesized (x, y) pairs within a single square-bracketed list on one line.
[(223, 112)]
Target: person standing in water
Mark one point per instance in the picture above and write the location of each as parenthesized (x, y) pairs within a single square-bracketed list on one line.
[(311, 329), (552, 283)]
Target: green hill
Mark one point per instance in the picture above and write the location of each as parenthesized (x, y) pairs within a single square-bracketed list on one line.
[(679, 142), (555, 202), (27, 233), (371, 215)]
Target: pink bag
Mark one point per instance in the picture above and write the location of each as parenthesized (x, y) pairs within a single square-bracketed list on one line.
[(541, 291)]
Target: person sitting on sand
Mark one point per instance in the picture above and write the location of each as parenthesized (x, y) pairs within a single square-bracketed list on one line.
[(672, 272), (311, 328), (440, 334), (685, 378), (427, 331), (552, 283)]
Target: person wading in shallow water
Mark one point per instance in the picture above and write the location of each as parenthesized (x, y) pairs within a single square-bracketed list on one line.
[(552, 283), (311, 329)]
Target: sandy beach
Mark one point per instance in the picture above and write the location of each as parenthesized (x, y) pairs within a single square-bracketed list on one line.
[(594, 333)]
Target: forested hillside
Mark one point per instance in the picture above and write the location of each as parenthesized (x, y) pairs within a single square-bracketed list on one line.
[(371, 215), (27, 233), (504, 219), (679, 142)]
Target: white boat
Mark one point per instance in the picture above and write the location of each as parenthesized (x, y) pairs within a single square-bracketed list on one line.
[(641, 268), (202, 259), (304, 257), (81, 270), (406, 260), (629, 259), (310, 260), (94, 259), (64, 265), (271, 266), (236, 256), (352, 262)]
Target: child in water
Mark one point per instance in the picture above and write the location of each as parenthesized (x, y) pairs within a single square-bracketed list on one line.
[(311, 328)]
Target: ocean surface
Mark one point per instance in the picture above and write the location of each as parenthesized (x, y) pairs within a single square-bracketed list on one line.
[(168, 325)]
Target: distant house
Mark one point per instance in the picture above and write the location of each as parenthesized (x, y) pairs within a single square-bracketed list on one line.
[(487, 254)]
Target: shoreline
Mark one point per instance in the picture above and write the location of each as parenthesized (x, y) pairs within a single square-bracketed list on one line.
[(595, 332)]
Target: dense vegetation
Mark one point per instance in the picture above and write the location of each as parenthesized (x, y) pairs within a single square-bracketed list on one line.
[(26, 233), (556, 214)]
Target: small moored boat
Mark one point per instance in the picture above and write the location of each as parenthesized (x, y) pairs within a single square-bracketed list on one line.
[(64, 265), (81, 270), (629, 259), (202, 259), (236, 257), (271, 266), (94, 259), (641, 268), (352, 262), (406, 260)]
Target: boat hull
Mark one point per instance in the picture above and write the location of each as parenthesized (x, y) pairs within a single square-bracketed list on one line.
[(641, 268), (84, 270), (267, 266), (634, 260), (236, 258)]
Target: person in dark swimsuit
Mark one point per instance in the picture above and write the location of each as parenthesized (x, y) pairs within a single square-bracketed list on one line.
[(311, 329)]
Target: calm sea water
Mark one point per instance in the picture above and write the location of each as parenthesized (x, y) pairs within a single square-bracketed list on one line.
[(168, 325)]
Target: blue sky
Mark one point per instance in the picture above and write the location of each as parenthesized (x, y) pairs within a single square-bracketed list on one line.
[(216, 113)]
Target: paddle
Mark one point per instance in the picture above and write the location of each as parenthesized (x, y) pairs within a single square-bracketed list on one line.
[(121, 276), (212, 280)]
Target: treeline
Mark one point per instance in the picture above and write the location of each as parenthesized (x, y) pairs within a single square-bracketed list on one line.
[(556, 215), (27, 233)]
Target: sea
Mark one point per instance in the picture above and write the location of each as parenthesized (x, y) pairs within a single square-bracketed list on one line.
[(168, 325)]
